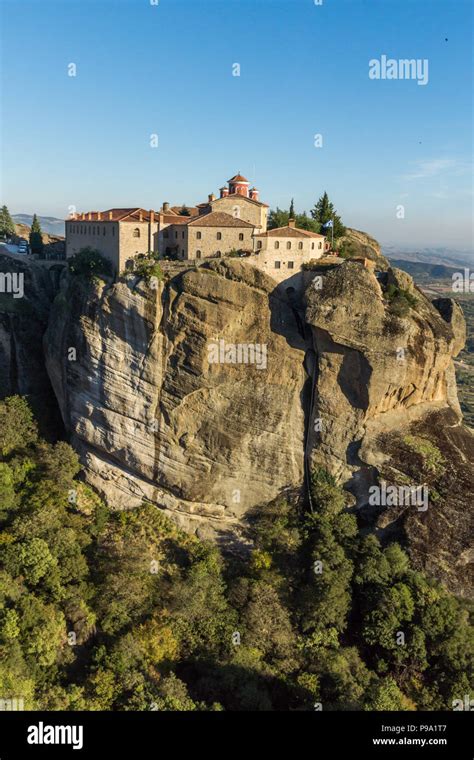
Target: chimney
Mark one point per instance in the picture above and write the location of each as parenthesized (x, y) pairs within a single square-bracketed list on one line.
[(224, 191), (291, 223), (211, 197), (152, 216), (140, 216), (166, 207), (99, 216), (89, 215), (254, 194), (110, 215)]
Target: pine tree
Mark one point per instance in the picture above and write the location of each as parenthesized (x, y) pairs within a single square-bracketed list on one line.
[(36, 236), (292, 209), (7, 225), (324, 211)]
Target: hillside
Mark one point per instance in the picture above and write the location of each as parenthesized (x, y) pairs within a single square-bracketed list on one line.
[(187, 575), (50, 225)]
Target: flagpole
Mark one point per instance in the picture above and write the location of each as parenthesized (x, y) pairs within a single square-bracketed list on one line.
[(332, 235)]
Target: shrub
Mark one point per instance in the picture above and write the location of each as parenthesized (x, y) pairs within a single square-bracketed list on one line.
[(88, 261)]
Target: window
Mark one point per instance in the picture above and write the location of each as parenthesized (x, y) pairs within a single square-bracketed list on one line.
[(320, 245), (300, 246), (277, 244), (103, 231), (182, 252), (312, 245), (182, 235), (198, 235), (277, 264), (198, 254), (219, 235), (176, 235), (291, 265), (259, 243), (136, 232), (241, 235), (288, 245), (218, 254), (113, 230)]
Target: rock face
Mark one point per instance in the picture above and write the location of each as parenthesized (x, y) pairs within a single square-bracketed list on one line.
[(386, 405), (23, 321), (155, 419), (356, 377)]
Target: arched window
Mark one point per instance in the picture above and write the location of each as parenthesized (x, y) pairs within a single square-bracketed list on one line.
[(288, 245), (241, 235), (300, 246), (320, 245), (259, 243), (198, 254), (136, 232), (312, 245), (198, 235), (277, 244), (104, 228), (218, 254), (219, 235)]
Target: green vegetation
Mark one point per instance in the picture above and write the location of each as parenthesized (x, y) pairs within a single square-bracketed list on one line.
[(89, 262), (123, 611), (36, 236), (400, 300), (279, 218), (147, 266), (7, 225), (432, 459), (324, 211)]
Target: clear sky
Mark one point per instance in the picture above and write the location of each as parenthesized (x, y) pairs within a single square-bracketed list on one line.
[(166, 69)]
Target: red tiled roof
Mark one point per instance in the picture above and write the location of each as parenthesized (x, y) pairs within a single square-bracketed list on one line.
[(176, 219), (237, 195), (193, 211), (218, 219), (114, 215), (237, 178), (289, 232)]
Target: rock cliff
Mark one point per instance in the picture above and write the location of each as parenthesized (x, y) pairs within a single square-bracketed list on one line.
[(356, 377), (154, 419)]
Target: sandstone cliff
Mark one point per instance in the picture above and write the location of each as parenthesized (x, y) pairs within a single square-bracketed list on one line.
[(386, 406), (154, 419), (358, 379)]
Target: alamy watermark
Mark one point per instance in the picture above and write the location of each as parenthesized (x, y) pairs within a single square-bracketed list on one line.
[(395, 496), (12, 282), (403, 68), (220, 352), (463, 282)]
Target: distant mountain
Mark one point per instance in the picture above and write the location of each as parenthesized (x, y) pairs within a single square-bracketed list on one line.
[(445, 256), (50, 224), (420, 270)]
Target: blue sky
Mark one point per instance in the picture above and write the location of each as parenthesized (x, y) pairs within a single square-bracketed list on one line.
[(166, 69)]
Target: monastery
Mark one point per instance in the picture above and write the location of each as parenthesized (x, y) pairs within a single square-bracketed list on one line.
[(234, 223)]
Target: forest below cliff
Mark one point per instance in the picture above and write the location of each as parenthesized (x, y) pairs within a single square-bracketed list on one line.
[(105, 610)]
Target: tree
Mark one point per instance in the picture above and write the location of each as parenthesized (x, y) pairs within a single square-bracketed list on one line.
[(18, 429), (324, 211), (36, 236), (184, 211), (7, 225), (279, 218), (88, 261), (292, 209)]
